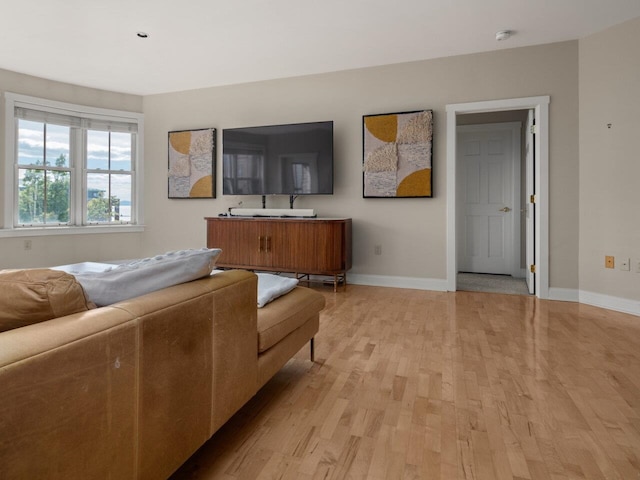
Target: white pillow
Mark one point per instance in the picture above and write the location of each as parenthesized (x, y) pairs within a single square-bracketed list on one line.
[(136, 278), (272, 286)]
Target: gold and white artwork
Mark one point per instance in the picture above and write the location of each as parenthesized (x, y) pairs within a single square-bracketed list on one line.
[(191, 163)]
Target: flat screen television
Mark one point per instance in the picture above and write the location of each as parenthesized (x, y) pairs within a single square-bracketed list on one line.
[(294, 159)]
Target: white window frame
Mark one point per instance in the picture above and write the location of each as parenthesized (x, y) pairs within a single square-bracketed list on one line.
[(9, 229)]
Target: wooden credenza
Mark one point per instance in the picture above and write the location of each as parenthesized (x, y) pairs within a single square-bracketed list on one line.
[(303, 246)]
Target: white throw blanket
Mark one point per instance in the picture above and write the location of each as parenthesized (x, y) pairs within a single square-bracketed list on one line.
[(271, 286), (113, 283)]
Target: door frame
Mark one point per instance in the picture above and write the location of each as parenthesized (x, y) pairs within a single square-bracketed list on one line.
[(529, 210), (515, 130), (541, 107)]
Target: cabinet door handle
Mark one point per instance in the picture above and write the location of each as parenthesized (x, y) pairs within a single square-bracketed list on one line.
[(268, 244), (260, 244)]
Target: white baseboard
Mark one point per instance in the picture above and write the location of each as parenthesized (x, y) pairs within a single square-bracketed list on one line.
[(564, 294), (398, 282), (560, 294), (612, 303)]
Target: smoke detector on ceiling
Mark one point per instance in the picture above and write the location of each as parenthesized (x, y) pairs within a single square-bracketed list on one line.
[(503, 35)]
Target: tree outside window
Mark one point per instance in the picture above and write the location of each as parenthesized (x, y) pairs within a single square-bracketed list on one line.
[(44, 194)]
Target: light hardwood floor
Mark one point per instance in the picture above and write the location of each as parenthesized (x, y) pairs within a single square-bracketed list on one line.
[(410, 384)]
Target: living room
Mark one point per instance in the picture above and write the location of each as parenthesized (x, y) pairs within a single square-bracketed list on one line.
[(592, 85), (568, 72)]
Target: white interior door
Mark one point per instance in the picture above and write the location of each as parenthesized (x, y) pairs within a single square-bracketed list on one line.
[(488, 203), (530, 207)]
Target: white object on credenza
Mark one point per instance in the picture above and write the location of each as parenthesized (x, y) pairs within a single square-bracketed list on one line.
[(272, 212)]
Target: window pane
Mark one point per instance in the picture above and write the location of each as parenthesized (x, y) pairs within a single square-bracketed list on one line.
[(98, 209), (120, 151), (58, 196), (31, 196), (121, 197), (97, 150), (109, 197), (30, 142), (57, 153)]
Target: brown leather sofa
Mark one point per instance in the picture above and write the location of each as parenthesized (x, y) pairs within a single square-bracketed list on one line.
[(131, 390)]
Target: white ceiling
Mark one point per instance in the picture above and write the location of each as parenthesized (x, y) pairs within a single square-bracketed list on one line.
[(202, 43)]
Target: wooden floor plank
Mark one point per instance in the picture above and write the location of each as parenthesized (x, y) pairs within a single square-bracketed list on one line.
[(412, 384)]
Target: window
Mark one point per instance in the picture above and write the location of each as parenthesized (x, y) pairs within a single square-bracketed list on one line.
[(109, 176), (44, 173), (71, 166)]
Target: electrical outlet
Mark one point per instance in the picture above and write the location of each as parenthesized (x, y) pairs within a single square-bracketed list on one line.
[(609, 261), (624, 264), (27, 244), (377, 249), (636, 265)]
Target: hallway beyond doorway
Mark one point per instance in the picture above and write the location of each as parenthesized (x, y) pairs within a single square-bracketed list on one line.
[(485, 282)]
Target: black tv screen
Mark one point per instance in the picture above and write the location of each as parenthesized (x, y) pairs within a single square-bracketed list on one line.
[(294, 159)]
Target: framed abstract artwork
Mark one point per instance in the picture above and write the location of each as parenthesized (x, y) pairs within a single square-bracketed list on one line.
[(397, 154), (192, 163)]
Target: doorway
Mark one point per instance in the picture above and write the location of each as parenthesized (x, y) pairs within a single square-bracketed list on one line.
[(488, 186), (489, 161), (539, 106)]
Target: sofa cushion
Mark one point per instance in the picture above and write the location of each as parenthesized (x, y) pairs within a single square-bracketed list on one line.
[(36, 295), (285, 314), (147, 275)]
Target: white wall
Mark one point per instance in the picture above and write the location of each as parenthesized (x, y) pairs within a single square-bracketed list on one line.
[(410, 231), (57, 250), (610, 163)]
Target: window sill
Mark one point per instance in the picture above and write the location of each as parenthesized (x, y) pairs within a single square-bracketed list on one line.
[(86, 230)]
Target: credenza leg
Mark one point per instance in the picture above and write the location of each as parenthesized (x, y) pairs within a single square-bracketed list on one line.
[(313, 355)]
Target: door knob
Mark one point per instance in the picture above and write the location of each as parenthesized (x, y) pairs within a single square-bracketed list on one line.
[(505, 209)]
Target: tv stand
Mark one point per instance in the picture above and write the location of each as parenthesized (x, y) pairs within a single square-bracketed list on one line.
[(304, 247)]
